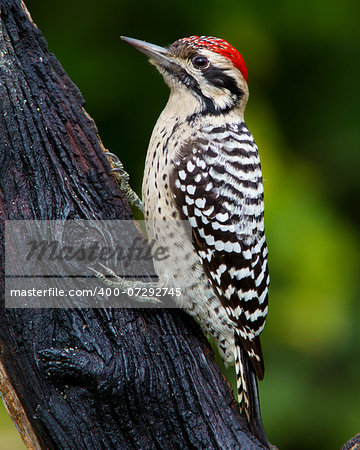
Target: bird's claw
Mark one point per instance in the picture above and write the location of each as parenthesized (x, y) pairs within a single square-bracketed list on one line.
[(122, 177)]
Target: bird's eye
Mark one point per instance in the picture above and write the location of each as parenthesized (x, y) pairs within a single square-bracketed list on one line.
[(200, 62)]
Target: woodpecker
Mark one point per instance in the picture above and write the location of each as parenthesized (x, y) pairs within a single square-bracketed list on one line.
[(203, 167)]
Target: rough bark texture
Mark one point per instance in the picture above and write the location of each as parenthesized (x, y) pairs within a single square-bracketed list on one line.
[(353, 443), (132, 378)]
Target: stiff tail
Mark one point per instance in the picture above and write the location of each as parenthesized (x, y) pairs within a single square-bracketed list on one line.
[(248, 395)]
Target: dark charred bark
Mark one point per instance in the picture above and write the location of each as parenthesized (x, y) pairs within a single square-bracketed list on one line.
[(89, 378), (353, 443)]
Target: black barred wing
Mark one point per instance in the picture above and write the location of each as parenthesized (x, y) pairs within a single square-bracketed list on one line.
[(218, 187)]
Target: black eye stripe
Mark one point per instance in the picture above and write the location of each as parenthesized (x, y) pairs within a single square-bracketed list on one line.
[(215, 76), (219, 78)]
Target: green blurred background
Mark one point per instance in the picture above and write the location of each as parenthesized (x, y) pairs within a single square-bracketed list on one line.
[(303, 60)]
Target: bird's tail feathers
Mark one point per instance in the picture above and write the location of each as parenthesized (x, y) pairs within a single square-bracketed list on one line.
[(248, 395)]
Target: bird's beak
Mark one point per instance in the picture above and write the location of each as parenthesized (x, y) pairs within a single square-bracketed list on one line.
[(154, 52)]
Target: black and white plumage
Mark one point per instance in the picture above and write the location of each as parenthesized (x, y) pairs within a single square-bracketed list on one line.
[(217, 185), (203, 166)]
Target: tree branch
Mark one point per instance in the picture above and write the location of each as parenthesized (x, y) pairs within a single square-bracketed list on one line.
[(89, 378)]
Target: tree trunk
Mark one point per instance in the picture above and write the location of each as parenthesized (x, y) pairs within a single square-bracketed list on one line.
[(89, 378)]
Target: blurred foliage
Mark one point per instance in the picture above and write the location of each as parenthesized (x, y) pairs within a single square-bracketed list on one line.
[(304, 67), (9, 437)]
